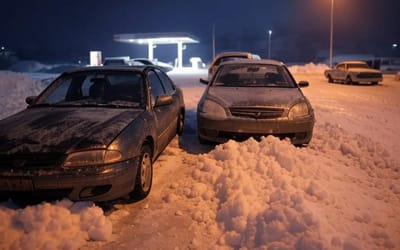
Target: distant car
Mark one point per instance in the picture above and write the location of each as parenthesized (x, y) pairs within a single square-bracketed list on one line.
[(254, 98), (92, 134), (164, 66), (353, 72), (116, 61), (229, 56)]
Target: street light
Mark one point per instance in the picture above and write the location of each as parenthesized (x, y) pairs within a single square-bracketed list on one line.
[(331, 38), (269, 43)]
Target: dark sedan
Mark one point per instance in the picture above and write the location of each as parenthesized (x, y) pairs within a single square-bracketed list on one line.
[(254, 98), (92, 134)]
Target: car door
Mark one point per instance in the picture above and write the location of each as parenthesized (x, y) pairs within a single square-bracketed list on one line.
[(340, 72), (164, 115)]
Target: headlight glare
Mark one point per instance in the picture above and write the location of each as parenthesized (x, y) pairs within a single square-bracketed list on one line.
[(92, 157), (299, 110), (213, 109)]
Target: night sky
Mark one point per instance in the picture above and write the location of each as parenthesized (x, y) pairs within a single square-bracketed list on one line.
[(68, 30)]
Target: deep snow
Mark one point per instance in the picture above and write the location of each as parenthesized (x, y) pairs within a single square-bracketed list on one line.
[(340, 192)]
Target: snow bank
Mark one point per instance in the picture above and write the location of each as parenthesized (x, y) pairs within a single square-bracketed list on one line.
[(270, 194), (309, 68), (14, 88), (60, 225)]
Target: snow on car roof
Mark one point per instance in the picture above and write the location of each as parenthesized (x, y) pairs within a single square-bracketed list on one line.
[(254, 61)]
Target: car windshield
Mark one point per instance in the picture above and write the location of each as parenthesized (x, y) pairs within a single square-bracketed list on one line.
[(253, 75), (95, 88)]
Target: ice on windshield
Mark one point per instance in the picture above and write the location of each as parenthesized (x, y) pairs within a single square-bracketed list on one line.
[(253, 75)]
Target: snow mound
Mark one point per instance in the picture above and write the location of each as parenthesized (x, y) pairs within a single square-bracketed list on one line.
[(270, 194), (309, 68), (60, 225), (21, 86)]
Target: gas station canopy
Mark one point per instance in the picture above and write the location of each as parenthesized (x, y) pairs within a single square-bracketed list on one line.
[(152, 39)]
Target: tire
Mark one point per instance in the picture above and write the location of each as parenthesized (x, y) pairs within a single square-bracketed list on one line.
[(144, 176), (374, 83), (203, 141), (181, 123), (330, 80), (348, 80)]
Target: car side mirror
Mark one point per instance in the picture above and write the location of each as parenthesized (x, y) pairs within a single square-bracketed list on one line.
[(204, 81), (303, 84), (163, 100), (30, 99)]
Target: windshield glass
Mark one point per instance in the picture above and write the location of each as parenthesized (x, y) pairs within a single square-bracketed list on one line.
[(94, 88), (253, 75)]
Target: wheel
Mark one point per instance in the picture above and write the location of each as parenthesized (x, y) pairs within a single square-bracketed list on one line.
[(205, 141), (181, 123), (144, 176), (374, 83), (348, 80), (330, 80)]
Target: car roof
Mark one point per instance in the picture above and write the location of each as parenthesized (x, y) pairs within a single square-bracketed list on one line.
[(135, 68), (352, 61), (254, 61), (238, 53)]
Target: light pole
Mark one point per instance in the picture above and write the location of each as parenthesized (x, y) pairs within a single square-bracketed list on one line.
[(269, 43), (331, 38)]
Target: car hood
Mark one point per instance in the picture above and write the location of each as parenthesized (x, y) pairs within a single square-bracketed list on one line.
[(62, 129), (255, 96)]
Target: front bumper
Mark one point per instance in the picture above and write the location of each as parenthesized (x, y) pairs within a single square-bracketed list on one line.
[(95, 183), (298, 131)]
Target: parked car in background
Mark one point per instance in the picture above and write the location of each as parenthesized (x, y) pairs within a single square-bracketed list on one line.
[(229, 56), (124, 60), (353, 72), (164, 66), (92, 134), (254, 98)]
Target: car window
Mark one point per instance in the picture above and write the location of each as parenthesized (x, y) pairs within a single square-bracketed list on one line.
[(168, 85), (157, 88), (254, 75), (357, 65), (96, 88), (340, 66)]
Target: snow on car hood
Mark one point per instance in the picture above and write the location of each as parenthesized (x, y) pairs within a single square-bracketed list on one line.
[(62, 129), (256, 96)]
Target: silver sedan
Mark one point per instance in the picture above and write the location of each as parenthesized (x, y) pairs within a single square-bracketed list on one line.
[(254, 98)]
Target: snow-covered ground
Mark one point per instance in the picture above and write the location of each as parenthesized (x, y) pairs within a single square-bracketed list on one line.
[(340, 192)]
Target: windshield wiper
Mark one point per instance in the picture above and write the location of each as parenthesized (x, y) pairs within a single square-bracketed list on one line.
[(45, 104)]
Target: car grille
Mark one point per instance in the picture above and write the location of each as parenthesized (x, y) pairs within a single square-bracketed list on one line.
[(31, 161), (245, 136), (369, 75), (257, 112)]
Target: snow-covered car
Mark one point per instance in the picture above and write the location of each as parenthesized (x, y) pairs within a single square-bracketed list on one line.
[(229, 56), (353, 72), (254, 98), (164, 66), (92, 134)]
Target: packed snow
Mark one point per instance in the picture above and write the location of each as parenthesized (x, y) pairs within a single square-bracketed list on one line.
[(342, 191)]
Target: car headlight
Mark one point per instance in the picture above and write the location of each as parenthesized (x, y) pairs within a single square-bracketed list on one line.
[(213, 109), (299, 110), (92, 157)]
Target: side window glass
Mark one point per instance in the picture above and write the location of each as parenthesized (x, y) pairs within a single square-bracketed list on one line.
[(156, 86), (168, 85)]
